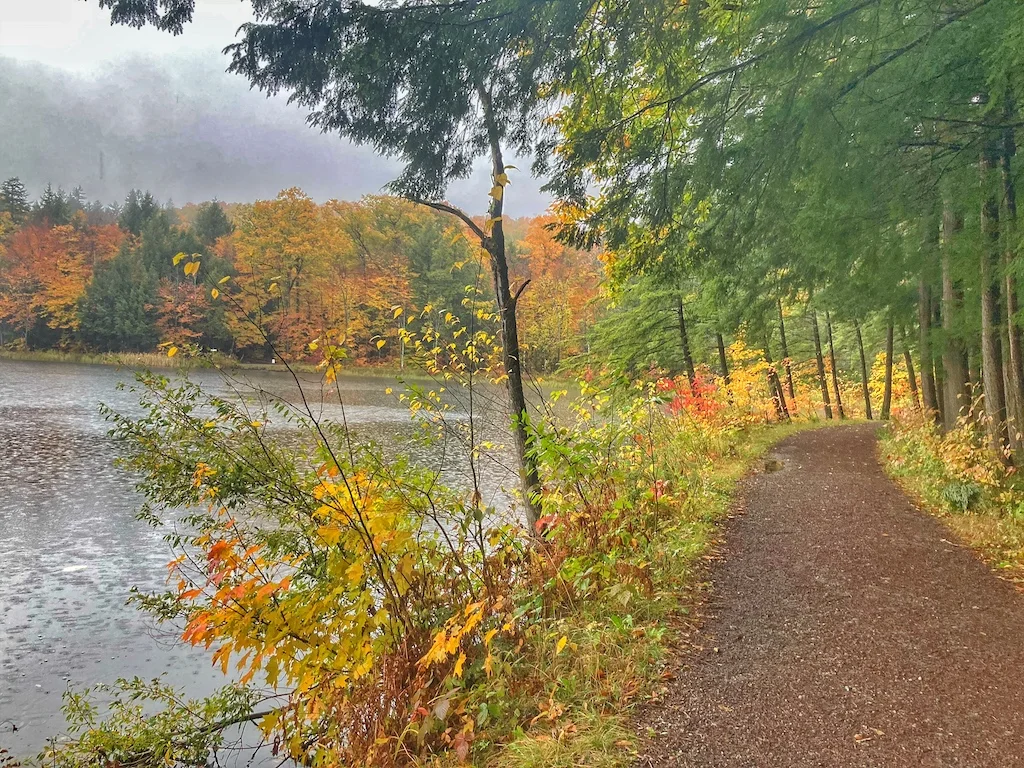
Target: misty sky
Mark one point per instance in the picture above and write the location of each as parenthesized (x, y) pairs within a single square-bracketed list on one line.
[(111, 108)]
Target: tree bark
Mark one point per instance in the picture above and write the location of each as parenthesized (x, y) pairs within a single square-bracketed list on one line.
[(495, 245), (1014, 344), (991, 346), (786, 362), (821, 365), (866, 391), (940, 382), (956, 396), (775, 387), (722, 361), (924, 322), (684, 336), (909, 362), (887, 392), (832, 364)]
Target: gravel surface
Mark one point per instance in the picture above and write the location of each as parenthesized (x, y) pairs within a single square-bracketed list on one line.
[(843, 629)]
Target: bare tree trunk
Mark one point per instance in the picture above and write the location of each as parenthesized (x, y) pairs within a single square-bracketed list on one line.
[(691, 371), (495, 245), (887, 392), (775, 387), (832, 364), (1014, 344), (940, 382), (909, 362), (821, 365), (924, 322), (991, 347), (786, 362), (722, 360), (957, 398), (863, 372)]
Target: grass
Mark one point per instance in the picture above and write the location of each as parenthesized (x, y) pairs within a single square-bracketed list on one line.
[(987, 516), (615, 652)]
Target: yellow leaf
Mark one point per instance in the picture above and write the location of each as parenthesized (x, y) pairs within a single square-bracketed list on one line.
[(501, 179), (273, 287), (381, 343), (561, 645), (497, 191), (223, 280), (172, 351), (215, 293), (178, 259), (459, 665), (490, 636), (398, 311), (354, 573)]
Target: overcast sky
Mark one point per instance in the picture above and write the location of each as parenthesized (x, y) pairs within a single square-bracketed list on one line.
[(111, 108)]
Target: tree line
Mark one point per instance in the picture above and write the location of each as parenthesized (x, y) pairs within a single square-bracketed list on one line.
[(81, 275)]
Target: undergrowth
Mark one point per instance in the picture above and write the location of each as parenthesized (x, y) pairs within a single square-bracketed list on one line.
[(957, 478)]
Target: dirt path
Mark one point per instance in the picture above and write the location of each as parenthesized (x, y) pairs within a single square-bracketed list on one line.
[(844, 629)]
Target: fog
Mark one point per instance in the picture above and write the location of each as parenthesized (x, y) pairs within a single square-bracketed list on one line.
[(182, 127)]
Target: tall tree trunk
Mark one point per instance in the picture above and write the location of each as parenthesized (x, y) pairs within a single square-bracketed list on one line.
[(786, 362), (684, 336), (909, 362), (863, 372), (775, 387), (529, 474), (924, 322), (722, 360), (1014, 343), (956, 398), (887, 392), (821, 365), (991, 347), (940, 382), (832, 364)]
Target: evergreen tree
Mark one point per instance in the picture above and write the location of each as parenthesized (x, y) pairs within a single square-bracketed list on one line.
[(138, 209), (117, 312), (14, 199), (54, 208), (211, 223)]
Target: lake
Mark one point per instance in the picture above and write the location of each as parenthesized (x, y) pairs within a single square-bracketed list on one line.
[(71, 549)]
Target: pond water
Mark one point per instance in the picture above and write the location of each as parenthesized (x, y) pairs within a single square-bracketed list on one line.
[(71, 548)]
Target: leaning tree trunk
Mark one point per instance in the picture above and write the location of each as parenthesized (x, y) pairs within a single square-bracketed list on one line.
[(991, 348), (1014, 345), (887, 392), (775, 387), (722, 360), (684, 337), (924, 321), (832, 364), (786, 362), (495, 246), (863, 372), (821, 365), (909, 362), (956, 397)]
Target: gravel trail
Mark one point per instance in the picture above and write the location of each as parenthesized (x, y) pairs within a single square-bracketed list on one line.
[(844, 629)]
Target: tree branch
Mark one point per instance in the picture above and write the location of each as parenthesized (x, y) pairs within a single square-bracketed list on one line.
[(484, 239)]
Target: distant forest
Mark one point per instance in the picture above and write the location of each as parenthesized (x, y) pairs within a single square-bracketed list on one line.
[(77, 275)]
